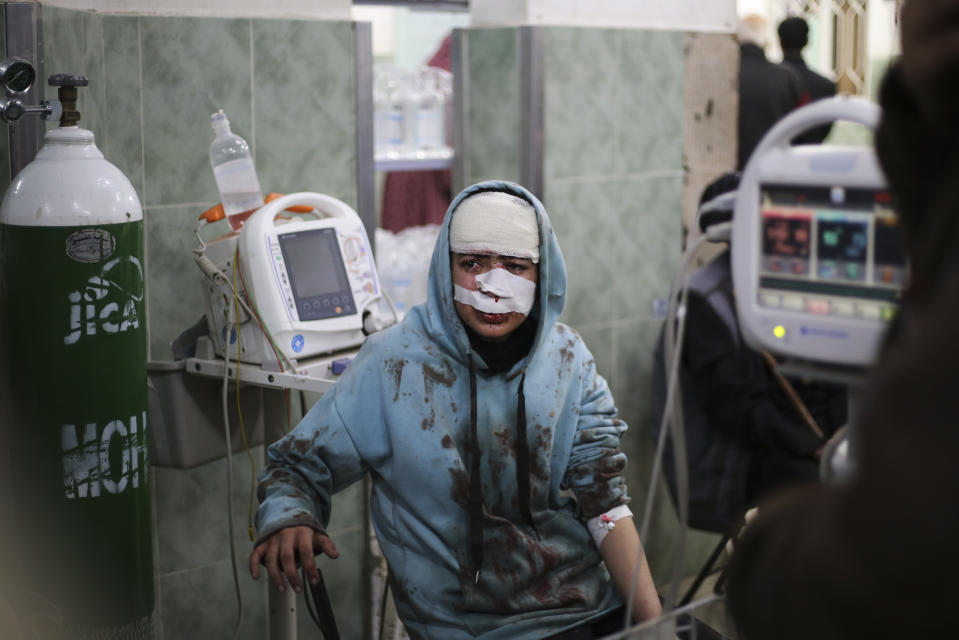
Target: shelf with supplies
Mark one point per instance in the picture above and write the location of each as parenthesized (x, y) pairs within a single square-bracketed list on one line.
[(418, 160)]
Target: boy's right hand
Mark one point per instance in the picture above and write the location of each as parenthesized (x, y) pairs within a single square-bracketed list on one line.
[(280, 552)]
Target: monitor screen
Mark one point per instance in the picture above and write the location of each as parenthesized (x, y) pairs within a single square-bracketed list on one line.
[(317, 276), (830, 250)]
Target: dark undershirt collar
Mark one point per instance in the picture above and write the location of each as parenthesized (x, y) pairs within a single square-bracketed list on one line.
[(501, 356)]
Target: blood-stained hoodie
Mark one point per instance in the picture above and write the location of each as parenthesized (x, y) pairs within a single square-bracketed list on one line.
[(482, 480)]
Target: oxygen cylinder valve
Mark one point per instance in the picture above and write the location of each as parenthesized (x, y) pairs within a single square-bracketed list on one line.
[(67, 92), (17, 76)]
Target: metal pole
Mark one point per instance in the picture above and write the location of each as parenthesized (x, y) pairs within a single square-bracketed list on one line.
[(20, 27), (365, 169), (282, 614), (23, 35), (461, 101)]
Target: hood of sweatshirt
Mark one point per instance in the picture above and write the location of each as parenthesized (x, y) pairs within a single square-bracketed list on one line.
[(439, 315)]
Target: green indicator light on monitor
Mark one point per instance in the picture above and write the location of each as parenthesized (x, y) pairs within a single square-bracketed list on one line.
[(779, 331)]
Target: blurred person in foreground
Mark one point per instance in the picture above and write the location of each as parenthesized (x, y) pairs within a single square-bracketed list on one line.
[(876, 557)]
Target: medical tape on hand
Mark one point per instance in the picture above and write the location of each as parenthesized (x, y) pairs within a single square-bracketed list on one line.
[(602, 524), (509, 292)]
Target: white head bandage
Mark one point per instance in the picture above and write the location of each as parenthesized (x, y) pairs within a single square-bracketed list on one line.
[(495, 222), (510, 293)]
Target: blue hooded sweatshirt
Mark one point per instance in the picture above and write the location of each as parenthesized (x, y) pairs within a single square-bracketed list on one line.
[(507, 555)]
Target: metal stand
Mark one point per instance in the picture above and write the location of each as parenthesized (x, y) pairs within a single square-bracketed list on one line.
[(282, 614)]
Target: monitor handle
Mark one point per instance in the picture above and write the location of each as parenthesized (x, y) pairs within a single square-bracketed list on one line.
[(827, 110), (325, 206)]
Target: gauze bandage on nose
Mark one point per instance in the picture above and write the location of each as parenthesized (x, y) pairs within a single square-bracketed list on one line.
[(509, 292)]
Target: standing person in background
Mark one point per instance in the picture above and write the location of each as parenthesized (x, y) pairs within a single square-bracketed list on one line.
[(493, 443), (767, 91), (793, 36)]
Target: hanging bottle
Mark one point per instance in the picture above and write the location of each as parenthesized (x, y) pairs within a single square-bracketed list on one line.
[(234, 172)]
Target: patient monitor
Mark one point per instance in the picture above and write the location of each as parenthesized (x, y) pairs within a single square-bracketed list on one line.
[(310, 281), (818, 264)]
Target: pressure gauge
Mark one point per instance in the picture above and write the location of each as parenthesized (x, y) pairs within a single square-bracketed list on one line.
[(17, 74)]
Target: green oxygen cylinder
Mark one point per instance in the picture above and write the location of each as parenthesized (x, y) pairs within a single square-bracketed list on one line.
[(71, 255)]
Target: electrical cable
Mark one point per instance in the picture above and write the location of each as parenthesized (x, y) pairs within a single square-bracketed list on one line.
[(673, 343), (213, 272), (218, 277), (255, 313), (389, 301), (239, 413), (714, 233), (383, 605), (229, 485)]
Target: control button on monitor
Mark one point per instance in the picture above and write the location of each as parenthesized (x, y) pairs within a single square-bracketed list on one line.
[(852, 270), (814, 305), (772, 300), (845, 309), (869, 311), (793, 303)]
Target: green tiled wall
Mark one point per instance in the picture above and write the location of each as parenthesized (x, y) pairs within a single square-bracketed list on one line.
[(613, 102), (613, 183), (494, 104)]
